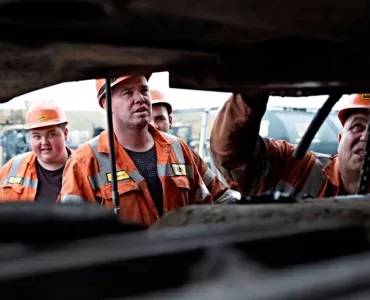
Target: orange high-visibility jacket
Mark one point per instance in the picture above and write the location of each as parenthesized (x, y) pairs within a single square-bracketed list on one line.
[(219, 191), (18, 178), (253, 165), (87, 177)]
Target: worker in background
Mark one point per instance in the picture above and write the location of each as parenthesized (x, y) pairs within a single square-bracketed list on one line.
[(156, 172), (162, 120), (37, 175), (253, 165)]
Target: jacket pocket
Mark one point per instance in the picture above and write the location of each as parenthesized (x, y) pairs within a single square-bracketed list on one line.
[(11, 192), (127, 193), (178, 192)]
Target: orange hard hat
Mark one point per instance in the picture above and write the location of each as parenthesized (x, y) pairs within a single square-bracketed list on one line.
[(159, 97), (44, 113), (100, 85), (357, 101)]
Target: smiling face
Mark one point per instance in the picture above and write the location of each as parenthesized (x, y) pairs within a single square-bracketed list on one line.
[(131, 103), (352, 142), (49, 143)]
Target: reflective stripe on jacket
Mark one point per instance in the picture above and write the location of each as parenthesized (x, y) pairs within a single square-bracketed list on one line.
[(272, 164), (18, 178), (219, 191), (87, 177)]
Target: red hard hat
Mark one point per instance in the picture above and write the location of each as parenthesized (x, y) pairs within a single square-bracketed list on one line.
[(100, 85), (158, 97), (44, 113), (357, 101)]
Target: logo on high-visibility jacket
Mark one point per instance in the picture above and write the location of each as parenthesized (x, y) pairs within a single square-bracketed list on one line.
[(179, 169), (42, 118), (365, 97), (121, 175), (14, 180)]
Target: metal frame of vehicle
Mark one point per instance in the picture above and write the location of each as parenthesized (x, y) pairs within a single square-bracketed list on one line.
[(278, 251)]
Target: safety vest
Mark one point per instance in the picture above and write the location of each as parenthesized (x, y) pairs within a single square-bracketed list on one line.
[(180, 168), (310, 188), (314, 182), (19, 176), (104, 162)]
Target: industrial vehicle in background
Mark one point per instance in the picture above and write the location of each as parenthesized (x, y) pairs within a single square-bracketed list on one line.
[(97, 130), (182, 131), (289, 124), (14, 140), (280, 123)]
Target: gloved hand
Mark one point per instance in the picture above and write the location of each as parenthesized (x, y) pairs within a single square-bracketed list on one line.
[(256, 101)]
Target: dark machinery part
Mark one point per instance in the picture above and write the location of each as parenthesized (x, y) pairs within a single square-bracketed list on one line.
[(340, 279), (68, 222), (275, 197), (115, 196), (129, 264), (363, 183), (315, 125)]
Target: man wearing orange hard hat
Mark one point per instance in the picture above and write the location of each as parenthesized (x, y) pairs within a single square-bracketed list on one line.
[(263, 164), (162, 120), (156, 172), (37, 175), (161, 111)]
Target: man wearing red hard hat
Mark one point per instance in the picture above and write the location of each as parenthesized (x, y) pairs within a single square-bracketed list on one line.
[(253, 165), (156, 172), (37, 175)]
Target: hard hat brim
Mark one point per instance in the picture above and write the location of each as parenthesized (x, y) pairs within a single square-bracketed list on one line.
[(343, 114), (117, 81), (169, 107), (44, 124)]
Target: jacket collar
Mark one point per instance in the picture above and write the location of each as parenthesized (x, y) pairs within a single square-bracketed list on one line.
[(331, 172), (159, 137)]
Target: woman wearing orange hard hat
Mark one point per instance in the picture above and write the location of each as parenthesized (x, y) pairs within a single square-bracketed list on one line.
[(37, 175)]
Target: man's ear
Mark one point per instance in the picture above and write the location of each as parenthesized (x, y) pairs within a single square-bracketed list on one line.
[(339, 139), (170, 120), (65, 133), (103, 102)]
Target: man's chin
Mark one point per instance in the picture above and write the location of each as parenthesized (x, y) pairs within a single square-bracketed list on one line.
[(47, 158), (142, 123), (358, 167)]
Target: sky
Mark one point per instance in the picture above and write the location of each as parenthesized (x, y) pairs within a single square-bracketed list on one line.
[(81, 96)]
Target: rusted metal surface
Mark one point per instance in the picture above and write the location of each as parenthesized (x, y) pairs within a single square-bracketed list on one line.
[(341, 209), (339, 279), (298, 47), (143, 263)]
